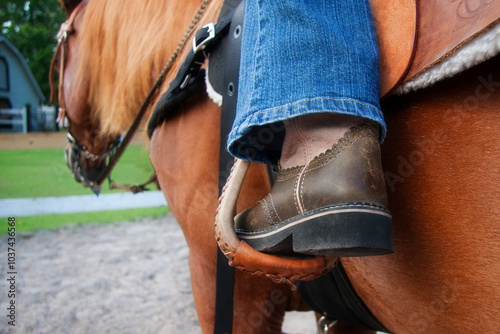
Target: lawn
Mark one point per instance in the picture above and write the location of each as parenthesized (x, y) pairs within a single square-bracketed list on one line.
[(43, 172), (33, 223)]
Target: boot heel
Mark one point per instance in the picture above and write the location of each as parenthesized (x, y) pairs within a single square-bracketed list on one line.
[(352, 230)]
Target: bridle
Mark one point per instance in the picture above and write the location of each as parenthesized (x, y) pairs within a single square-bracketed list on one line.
[(76, 149), (83, 151), (60, 53), (118, 147)]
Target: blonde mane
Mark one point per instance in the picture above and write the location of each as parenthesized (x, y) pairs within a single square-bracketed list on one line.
[(124, 46)]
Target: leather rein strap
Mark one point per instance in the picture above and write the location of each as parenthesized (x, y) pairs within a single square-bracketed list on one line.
[(61, 53), (152, 93)]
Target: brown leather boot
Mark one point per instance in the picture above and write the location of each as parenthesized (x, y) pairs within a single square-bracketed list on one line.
[(333, 205)]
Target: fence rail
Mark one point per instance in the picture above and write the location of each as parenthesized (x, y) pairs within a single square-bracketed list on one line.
[(15, 120), (39, 118)]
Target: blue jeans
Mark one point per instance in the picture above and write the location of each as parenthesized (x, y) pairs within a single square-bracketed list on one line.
[(300, 57)]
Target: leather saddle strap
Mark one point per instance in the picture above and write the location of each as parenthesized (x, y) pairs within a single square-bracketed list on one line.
[(334, 296), (396, 27), (231, 46), (206, 39)]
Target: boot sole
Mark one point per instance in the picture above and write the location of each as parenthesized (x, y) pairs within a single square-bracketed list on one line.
[(345, 230)]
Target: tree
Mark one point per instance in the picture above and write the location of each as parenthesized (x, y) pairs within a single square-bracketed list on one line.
[(32, 26)]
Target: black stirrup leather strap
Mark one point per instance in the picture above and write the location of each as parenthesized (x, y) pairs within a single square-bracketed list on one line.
[(230, 49), (334, 296)]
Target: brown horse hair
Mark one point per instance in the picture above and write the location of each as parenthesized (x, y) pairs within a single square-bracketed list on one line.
[(120, 64)]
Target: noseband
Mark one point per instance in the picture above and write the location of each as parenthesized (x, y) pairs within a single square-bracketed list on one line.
[(76, 151), (82, 150)]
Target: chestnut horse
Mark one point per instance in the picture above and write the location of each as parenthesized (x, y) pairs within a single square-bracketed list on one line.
[(441, 161)]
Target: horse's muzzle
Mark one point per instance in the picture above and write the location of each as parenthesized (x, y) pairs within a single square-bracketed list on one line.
[(84, 171)]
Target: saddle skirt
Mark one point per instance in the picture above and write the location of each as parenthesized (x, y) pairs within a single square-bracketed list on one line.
[(414, 36), (420, 42)]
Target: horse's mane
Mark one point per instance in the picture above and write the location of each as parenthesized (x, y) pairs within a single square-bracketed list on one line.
[(124, 46)]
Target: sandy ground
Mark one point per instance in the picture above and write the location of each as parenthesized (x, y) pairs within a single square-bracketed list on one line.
[(22, 141), (126, 277)]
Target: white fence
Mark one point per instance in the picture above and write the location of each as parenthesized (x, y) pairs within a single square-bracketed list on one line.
[(22, 207), (38, 118), (46, 118), (15, 120)]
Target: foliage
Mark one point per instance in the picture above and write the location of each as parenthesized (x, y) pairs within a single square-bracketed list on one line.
[(32, 26)]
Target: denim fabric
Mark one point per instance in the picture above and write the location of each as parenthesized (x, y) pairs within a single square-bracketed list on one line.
[(300, 57)]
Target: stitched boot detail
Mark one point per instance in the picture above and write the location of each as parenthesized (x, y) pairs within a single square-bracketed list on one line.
[(346, 182)]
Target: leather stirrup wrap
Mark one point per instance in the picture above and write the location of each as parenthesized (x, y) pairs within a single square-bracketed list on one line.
[(243, 257)]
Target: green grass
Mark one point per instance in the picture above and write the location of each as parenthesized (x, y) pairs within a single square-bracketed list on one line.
[(40, 173), (43, 172), (34, 223)]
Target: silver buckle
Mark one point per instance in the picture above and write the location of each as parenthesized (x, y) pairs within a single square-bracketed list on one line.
[(201, 45)]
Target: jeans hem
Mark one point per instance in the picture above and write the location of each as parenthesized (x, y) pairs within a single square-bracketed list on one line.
[(251, 139)]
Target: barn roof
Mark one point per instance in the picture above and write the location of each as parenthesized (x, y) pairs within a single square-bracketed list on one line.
[(22, 61)]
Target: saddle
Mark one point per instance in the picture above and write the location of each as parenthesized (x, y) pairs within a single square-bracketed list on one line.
[(415, 35)]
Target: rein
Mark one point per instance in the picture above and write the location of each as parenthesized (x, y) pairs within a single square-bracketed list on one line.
[(159, 81)]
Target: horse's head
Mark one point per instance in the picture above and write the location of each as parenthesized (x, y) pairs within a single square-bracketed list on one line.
[(88, 147)]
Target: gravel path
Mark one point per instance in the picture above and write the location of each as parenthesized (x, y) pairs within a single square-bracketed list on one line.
[(127, 277)]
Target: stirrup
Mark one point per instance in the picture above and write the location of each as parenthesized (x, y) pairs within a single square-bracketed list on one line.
[(244, 257)]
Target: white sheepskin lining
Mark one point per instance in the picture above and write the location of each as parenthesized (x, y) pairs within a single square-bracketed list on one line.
[(481, 48), (212, 93)]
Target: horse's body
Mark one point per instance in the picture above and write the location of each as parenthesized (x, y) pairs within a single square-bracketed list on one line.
[(441, 161)]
